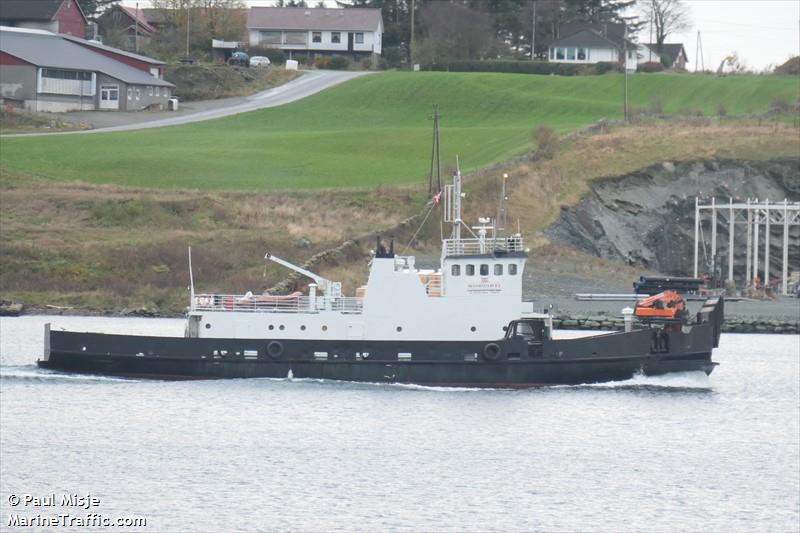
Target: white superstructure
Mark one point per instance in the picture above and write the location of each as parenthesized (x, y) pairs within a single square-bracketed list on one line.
[(474, 294)]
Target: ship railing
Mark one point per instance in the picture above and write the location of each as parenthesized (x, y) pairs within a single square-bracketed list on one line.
[(453, 247), (275, 304)]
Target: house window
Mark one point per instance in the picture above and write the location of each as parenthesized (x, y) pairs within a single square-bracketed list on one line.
[(470, 270), (295, 37), (130, 93), (109, 93), (552, 54), (360, 38), (512, 270), (560, 53), (150, 90), (484, 270), (455, 270), (336, 37), (269, 37), (158, 91), (498, 269), (570, 54), (583, 54), (59, 74), (138, 93), (316, 37)]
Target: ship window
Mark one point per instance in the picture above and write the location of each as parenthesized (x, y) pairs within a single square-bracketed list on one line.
[(324, 328), (302, 328), (470, 270), (208, 326), (455, 270), (281, 327), (271, 327), (512, 270), (484, 270), (498, 270), (399, 329), (473, 328)]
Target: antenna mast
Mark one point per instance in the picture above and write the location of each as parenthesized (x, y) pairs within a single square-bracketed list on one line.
[(436, 166), (500, 224)]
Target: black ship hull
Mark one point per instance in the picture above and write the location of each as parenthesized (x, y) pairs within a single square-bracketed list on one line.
[(508, 362)]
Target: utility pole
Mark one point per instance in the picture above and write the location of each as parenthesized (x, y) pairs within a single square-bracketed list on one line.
[(136, 38), (625, 72), (188, 11), (533, 29), (650, 43), (411, 38)]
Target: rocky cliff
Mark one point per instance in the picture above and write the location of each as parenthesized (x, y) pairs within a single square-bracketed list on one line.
[(647, 217)]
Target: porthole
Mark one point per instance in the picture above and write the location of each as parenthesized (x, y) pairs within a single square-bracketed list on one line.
[(271, 327), (208, 326), (505, 328), (281, 327), (473, 328), (399, 329), (302, 328), (324, 328)]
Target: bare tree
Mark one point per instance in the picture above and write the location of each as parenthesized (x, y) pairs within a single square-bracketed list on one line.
[(667, 17), (454, 31)]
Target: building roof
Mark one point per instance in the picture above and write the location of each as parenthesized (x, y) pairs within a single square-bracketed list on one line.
[(45, 49), (101, 46), (15, 10), (585, 38), (300, 18), (612, 32), (672, 49), (138, 16)]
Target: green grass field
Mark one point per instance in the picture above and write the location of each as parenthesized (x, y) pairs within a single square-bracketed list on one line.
[(375, 130)]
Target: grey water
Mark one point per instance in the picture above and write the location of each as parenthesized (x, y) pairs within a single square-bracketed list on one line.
[(682, 452)]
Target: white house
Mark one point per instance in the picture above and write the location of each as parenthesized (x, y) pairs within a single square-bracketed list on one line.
[(649, 52), (352, 32), (593, 43)]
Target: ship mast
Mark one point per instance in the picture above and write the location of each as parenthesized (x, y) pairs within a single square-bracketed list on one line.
[(452, 203)]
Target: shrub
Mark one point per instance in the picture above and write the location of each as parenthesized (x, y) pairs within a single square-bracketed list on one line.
[(607, 66), (666, 60), (275, 55), (546, 141), (366, 63), (339, 63), (722, 110), (513, 67), (322, 61), (651, 66), (383, 64), (780, 104)]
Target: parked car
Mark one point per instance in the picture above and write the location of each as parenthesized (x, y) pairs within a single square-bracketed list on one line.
[(259, 61), (239, 58)]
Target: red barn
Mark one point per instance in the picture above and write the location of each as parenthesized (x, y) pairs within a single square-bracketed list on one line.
[(57, 16)]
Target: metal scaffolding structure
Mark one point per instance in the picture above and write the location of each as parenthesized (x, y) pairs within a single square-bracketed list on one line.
[(754, 215)]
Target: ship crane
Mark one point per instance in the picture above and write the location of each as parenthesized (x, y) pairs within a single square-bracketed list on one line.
[(332, 289)]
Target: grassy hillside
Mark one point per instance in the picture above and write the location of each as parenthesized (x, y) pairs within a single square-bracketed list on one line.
[(374, 130)]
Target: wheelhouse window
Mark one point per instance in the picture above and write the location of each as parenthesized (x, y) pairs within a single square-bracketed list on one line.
[(360, 38), (470, 270), (512, 270), (316, 37), (484, 270), (336, 37), (498, 269), (455, 270)]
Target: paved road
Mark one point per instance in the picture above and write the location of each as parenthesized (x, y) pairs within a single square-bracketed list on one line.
[(309, 83)]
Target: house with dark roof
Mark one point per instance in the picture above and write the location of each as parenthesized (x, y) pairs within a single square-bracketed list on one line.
[(57, 16), (128, 26), (353, 32), (593, 43), (675, 51), (42, 71)]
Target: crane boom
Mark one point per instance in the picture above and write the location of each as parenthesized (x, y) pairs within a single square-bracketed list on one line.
[(331, 288)]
